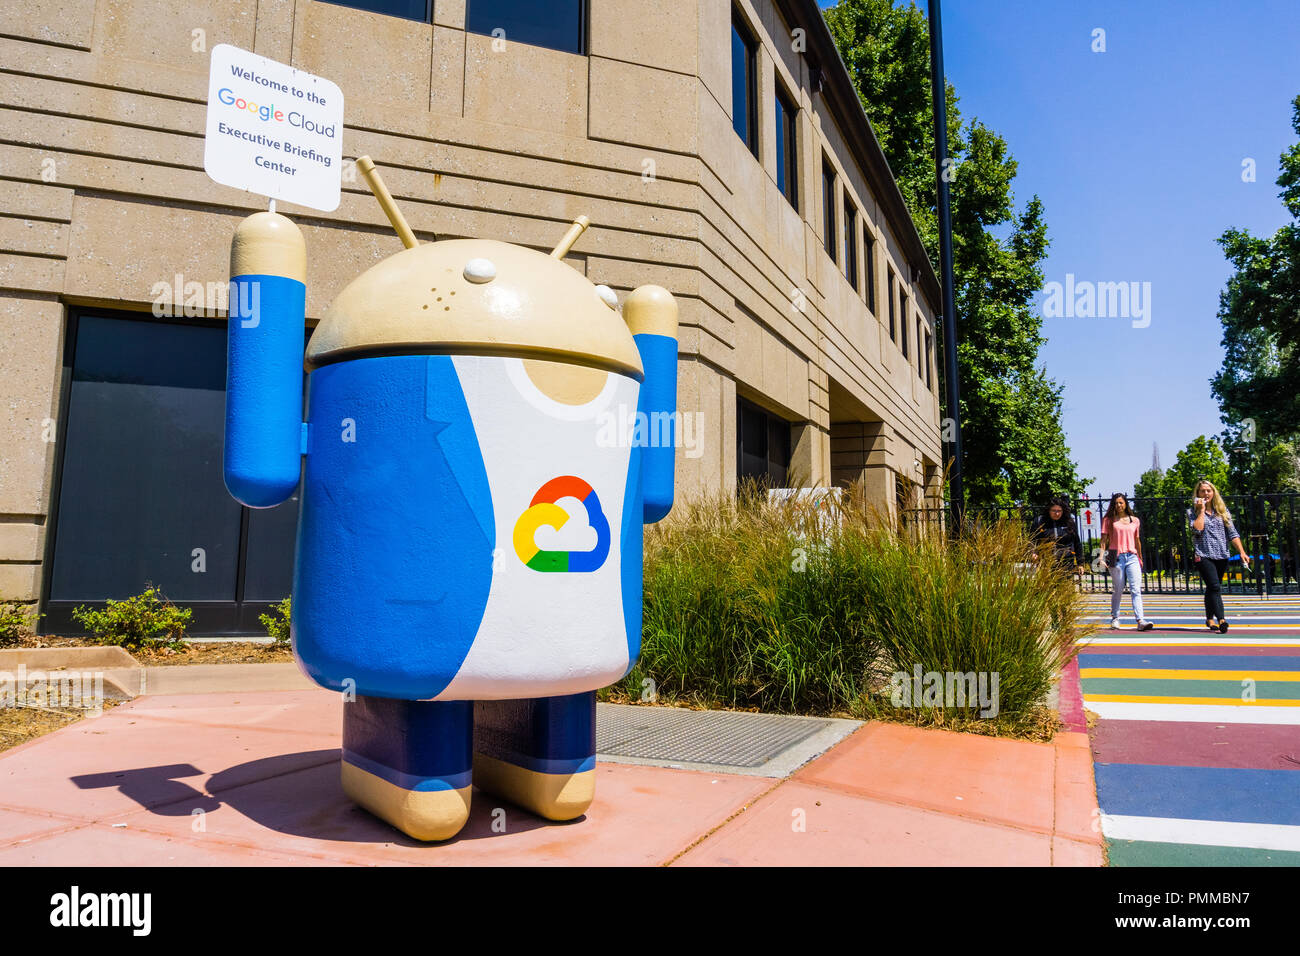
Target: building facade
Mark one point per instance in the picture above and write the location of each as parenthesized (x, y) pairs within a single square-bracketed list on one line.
[(717, 146)]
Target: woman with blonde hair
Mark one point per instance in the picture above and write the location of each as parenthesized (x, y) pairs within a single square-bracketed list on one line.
[(1212, 529)]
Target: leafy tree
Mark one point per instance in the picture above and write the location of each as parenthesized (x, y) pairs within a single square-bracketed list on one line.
[(1150, 485), (1258, 386), (1202, 458), (1015, 447), (1276, 468), (1260, 466)]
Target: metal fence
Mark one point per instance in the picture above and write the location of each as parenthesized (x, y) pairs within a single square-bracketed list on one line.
[(1268, 523)]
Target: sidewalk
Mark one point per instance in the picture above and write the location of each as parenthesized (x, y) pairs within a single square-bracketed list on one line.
[(251, 778), (1197, 748)]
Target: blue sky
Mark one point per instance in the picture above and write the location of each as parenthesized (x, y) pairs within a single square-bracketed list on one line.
[(1137, 154)]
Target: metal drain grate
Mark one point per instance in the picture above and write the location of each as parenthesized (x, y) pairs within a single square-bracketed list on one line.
[(694, 736)]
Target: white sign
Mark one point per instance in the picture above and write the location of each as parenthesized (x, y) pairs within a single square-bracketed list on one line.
[(273, 130), (1089, 516), (825, 514)]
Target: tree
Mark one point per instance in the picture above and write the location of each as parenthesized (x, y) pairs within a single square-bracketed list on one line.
[(1276, 468), (1150, 485), (1258, 385), (1015, 447), (1201, 459), (1260, 467)]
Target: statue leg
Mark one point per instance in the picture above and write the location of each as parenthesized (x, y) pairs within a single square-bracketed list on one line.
[(539, 753), (408, 762)]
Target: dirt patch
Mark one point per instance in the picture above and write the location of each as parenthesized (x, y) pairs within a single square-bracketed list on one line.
[(191, 652), (21, 724), (217, 652)]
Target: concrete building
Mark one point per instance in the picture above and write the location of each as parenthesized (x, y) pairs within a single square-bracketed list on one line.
[(717, 146)]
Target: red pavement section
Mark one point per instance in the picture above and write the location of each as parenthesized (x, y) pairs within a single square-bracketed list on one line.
[(1168, 743), (252, 779), (895, 795), (1070, 699)]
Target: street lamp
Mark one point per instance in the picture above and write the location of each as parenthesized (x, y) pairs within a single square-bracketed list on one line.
[(952, 387)]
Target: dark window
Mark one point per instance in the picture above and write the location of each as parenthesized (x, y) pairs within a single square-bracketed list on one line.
[(557, 24), (828, 211), (762, 445), (902, 326), (903, 497), (140, 486), (929, 360), (787, 148), (870, 263), (920, 370), (744, 93), (893, 310), (850, 243), (409, 9)]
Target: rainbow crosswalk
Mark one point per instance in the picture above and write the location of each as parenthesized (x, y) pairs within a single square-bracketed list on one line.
[(1197, 749)]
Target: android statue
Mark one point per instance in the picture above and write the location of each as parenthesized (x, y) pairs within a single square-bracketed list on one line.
[(468, 565)]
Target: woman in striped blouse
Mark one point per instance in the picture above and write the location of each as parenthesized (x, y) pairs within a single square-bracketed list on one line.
[(1212, 529)]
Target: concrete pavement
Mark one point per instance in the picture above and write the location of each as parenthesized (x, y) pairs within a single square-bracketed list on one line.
[(252, 778)]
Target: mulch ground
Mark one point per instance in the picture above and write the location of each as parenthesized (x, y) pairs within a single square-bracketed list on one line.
[(207, 652), (223, 652), (21, 724)]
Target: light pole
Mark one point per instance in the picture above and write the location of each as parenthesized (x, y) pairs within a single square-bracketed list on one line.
[(952, 388)]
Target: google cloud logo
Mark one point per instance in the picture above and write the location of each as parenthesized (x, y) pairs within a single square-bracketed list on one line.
[(543, 511)]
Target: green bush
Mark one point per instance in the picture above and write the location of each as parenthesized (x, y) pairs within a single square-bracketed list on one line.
[(756, 605), (973, 603), (15, 619), (741, 610), (145, 621), (277, 623)]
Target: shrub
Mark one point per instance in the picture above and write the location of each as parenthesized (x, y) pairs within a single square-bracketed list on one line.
[(277, 623), (742, 610), (147, 620), (15, 620), (971, 603), (795, 607)]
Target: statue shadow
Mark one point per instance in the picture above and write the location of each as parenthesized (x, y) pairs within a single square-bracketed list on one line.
[(298, 794)]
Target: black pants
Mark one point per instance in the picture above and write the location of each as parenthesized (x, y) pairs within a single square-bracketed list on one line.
[(1212, 570)]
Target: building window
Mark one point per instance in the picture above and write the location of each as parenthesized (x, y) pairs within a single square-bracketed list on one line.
[(929, 360), (140, 497), (762, 445), (920, 370), (556, 24), (850, 243), (870, 263), (421, 10), (893, 310), (828, 211), (744, 90), (787, 148), (902, 325)]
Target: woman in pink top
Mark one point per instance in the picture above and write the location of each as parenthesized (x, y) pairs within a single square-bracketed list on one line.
[(1119, 538)]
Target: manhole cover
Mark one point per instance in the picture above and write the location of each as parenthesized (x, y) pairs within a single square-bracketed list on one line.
[(698, 736)]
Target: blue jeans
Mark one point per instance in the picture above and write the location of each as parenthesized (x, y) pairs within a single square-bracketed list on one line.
[(1126, 569)]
